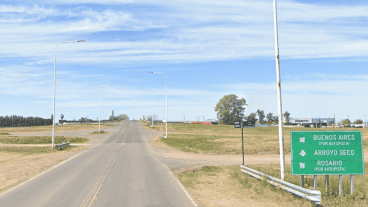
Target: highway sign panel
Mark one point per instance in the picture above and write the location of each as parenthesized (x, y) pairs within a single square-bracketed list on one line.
[(327, 153)]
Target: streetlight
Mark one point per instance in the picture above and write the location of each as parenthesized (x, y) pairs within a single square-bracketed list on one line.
[(99, 116), (166, 97), (53, 121)]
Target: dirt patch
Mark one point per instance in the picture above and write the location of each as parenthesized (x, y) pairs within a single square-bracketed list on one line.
[(17, 167)]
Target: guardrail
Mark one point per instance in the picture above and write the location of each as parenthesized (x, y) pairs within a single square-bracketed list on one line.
[(62, 146), (312, 195)]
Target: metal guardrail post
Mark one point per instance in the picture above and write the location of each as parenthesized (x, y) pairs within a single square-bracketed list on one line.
[(327, 184), (352, 184), (302, 180), (340, 184), (315, 182)]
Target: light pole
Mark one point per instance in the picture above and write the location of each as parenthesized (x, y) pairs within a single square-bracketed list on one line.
[(53, 117), (99, 116), (281, 135), (166, 97)]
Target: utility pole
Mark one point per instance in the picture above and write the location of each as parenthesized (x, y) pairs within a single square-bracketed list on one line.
[(281, 135)]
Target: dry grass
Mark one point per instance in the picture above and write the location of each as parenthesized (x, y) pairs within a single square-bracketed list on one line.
[(220, 186), (225, 139), (228, 186)]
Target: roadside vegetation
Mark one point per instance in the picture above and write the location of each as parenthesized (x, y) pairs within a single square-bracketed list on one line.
[(40, 140), (49, 128), (37, 150), (99, 132), (219, 186), (225, 139)]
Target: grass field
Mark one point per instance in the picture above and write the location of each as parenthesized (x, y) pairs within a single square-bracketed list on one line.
[(229, 184), (49, 128), (40, 140), (101, 132), (36, 150), (225, 139)]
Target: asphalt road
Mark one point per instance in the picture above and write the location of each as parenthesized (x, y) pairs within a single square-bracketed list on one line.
[(121, 171)]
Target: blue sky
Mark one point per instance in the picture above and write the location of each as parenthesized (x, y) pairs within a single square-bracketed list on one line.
[(207, 49)]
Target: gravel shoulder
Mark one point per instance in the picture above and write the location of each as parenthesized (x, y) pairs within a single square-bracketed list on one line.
[(17, 167)]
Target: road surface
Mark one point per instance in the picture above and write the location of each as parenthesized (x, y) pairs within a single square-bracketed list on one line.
[(121, 171)]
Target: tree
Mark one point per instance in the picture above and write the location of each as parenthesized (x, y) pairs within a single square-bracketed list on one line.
[(252, 117), (287, 117), (261, 116), (358, 121), (276, 120), (62, 116), (123, 117), (230, 109), (346, 121), (269, 118)]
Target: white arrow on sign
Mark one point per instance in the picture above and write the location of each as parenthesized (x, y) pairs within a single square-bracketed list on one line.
[(302, 139), (302, 153), (301, 165)]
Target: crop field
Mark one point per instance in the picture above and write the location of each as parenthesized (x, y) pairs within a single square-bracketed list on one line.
[(225, 139)]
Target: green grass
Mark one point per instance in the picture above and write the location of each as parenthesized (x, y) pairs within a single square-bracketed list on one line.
[(225, 139), (4, 133), (41, 140), (193, 143), (34, 150), (189, 178), (101, 132)]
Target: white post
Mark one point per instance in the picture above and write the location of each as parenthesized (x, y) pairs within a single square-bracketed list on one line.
[(166, 104), (99, 116), (53, 119), (281, 136), (153, 100), (166, 98)]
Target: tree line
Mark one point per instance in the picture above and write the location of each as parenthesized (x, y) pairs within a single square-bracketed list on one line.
[(20, 121), (230, 109)]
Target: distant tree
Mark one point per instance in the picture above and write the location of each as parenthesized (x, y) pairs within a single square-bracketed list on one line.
[(123, 117), (230, 109), (346, 121), (252, 117), (287, 117), (358, 121), (269, 118), (261, 116), (62, 116), (52, 116), (276, 120)]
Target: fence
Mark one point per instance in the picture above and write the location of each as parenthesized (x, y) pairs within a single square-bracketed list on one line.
[(312, 195)]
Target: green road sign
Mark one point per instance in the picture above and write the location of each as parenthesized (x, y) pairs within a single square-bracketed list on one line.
[(327, 153)]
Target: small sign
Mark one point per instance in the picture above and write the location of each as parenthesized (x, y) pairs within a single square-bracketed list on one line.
[(327, 153), (249, 123)]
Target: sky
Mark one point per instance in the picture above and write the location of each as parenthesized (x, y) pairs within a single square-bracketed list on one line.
[(206, 48)]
